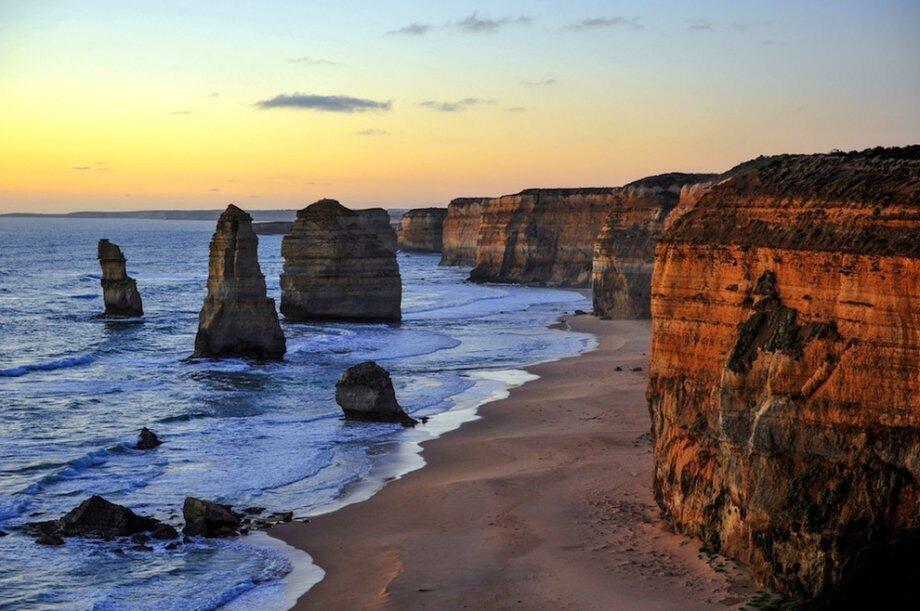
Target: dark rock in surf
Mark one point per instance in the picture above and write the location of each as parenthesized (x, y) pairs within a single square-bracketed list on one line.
[(119, 291), (365, 392), (51, 539), (147, 440), (164, 532), (209, 519), (95, 517)]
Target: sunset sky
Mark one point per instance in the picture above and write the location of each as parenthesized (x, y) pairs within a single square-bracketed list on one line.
[(139, 105)]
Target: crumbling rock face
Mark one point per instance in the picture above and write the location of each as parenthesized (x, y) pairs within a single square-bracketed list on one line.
[(421, 230), (336, 268), (624, 251), (785, 368), (541, 236), (119, 291), (461, 230), (237, 318)]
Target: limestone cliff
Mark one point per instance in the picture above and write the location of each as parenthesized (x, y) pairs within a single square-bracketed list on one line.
[(624, 250), (785, 367), (541, 236), (237, 318), (119, 291), (377, 220), (421, 230), (461, 230), (336, 268)]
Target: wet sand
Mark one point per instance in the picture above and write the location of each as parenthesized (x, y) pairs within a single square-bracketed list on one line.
[(544, 503)]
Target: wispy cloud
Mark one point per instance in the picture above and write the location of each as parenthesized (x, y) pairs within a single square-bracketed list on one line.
[(475, 24), (542, 82), (472, 24), (215, 190), (81, 167), (372, 132), (323, 103), (700, 25), (454, 106), (413, 29), (313, 61), (179, 113), (598, 23), (516, 109), (99, 166)]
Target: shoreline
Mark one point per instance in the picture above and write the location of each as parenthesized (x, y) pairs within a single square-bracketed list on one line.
[(541, 500)]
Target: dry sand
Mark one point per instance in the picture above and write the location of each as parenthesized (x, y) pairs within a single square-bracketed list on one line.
[(544, 503)]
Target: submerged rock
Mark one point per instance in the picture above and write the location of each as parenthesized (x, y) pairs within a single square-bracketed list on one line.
[(365, 392), (209, 519), (147, 440), (119, 291), (336, 268), (237, 318)]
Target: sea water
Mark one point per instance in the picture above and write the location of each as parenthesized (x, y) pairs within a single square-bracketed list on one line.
[(75, 390)]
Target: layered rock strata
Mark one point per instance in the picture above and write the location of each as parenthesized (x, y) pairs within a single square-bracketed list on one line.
[(336, 268), (421, 230), (624, 250), (237, 318), (785, 368), (541, 236), (119, 291), (461, 230), (377, 220)]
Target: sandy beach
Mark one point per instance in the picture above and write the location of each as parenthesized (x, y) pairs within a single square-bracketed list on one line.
[(544, 503)]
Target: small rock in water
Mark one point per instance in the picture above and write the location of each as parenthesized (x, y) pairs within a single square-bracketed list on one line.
[(94, 517), (365, 392), (147, 440), (3, 534), (637, 369), (164, 532), (141, 548), (209, 519), (618, 368), (173, 545), (253, 511), (284, 516), (140, 539)]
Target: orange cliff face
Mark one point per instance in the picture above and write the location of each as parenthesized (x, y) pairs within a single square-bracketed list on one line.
[(785, 369), (624, 251), (421, 230), (461, 230), (541, 236)]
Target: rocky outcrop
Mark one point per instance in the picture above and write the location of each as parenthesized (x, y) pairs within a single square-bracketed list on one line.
[(335, 268), (624, 251), (461, 230), (377, 220), (421, 230), (119, 291), (209, 519), (237, 318), (96, 518), (541, 236), (365, 392), (785, 368)]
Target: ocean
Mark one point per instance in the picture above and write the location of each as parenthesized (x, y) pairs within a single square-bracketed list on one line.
[(76, 389)]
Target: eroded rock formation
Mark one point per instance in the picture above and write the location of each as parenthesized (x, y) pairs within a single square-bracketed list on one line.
[(365, 392), (461, 230), (421, 230), (541, 236), (209, 519), (785, 368), (377, 220), (237, 318), (119, 291), (336, 268), (624, 251)]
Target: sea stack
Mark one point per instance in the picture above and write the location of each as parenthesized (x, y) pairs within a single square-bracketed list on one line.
[(119, 291), (377, 220), (365, 392), (785, 370), (336, 268), (461, 230), (238, 318), (624, 251), (421, 230)]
